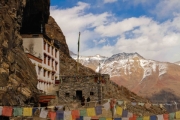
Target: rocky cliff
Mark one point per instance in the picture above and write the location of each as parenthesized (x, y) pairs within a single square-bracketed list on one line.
[(17, 74)]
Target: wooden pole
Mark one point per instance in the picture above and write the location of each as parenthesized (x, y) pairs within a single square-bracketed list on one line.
[(78, 54)]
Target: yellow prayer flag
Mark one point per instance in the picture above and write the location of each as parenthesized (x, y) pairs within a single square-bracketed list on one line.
[(178, 115), (108, 118), (119, 110), (145, 117), (27, 111), (91, 112)]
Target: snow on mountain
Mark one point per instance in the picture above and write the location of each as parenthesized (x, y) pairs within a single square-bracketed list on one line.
[(122, 63), (178, 63)]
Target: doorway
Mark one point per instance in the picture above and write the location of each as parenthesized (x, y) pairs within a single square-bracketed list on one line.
[(79, 94)]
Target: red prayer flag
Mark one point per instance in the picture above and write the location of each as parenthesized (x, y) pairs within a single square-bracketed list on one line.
[(7, 111), (52, 115), (166, 116), (133, 118), (75, 114)]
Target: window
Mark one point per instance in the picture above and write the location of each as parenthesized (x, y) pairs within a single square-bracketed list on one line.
[(44, 45), (48, 48), (55, 52), (44, 58), (44, 73), (52, 76), (49, 60), (52, 63), (66, 94), (91, 93), (52, 50), (39, 70), (48, 74), (56, 78), (56, 65)]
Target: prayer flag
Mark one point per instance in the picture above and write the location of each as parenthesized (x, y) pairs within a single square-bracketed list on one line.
[(1, 108), (139, 118), (132, 118), (171, 116), (166, 116), (119, 110), (87, 118), (129, 115), (120, 102), (107, 106), (98, 110), (91, 112), (102, 118), (34, 110), (124, 113), (160, 117), (27, 111), (141, 104), (83, 113), (7, 111), (43, 113), (75, 114), (124, 118), (60, 115), (145, 117), (178, 115), (17, 111), (133, 103), (153, 117), (117, 118), (81, 118), (52, 115), (67, 115)]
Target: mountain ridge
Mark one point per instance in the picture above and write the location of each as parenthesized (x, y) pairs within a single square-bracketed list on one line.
[(138, 74)]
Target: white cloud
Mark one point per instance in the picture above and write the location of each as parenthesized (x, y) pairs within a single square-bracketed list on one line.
[(166, 8), (72, 20), (109, 1), (117, 28), (151, 39)]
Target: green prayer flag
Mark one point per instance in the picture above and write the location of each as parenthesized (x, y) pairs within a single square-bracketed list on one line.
[(102, 118), (83, 113), (139, 118), (171, 116), (17, 111)]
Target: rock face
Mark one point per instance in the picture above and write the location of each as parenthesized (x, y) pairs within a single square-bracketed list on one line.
[(147, 78), (17, 73)]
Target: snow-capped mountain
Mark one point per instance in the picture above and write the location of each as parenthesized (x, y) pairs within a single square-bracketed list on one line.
[(142, 76), (178, 63)]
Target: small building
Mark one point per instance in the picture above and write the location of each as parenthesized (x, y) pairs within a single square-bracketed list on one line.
[(72, 88), (44, 54)]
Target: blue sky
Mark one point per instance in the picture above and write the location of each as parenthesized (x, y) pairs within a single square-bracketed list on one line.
[(149, 27)]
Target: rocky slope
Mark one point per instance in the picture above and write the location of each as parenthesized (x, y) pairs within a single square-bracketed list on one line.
[(17, 74), (147, 78)]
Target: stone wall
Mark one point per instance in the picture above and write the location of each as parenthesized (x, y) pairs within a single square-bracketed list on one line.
[(70, 87)]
